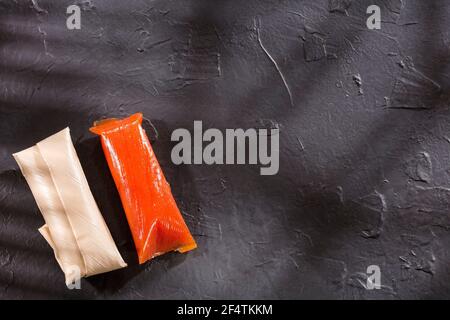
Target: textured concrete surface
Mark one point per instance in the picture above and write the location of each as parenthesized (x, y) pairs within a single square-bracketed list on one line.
[(364, 141)]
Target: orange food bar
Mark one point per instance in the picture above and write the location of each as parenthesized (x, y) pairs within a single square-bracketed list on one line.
[(154, 218)]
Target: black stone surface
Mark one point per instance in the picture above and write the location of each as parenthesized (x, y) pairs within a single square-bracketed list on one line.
[(364, 142)]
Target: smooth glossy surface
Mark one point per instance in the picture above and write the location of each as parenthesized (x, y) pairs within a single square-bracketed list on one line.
[(154, 218)]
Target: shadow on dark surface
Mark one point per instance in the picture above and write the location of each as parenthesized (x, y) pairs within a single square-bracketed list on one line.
[(105, 193)]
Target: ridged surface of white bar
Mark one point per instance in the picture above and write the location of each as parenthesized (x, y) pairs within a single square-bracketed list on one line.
[(74, 228)]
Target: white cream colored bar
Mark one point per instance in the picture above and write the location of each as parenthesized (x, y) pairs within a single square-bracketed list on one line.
[(74, 226)]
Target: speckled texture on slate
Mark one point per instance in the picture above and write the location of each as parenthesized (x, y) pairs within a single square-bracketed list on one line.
[(364, 145)]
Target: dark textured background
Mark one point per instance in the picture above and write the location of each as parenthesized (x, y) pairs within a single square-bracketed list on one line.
[(364, 141)]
